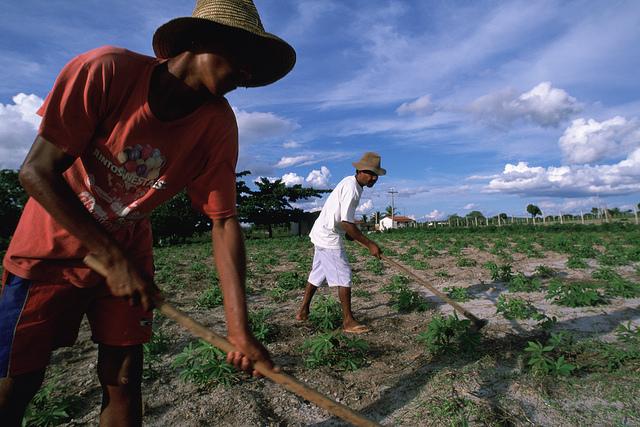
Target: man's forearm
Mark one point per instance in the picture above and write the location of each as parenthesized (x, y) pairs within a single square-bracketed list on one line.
[(41, 176), (354, 232), (230, 258)]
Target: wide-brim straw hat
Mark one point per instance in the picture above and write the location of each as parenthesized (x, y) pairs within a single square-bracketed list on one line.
[(370, 161), (237, 24)]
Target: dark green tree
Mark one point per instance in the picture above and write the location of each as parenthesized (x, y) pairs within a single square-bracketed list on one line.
[(389, 210), (176, 220), (12, 200), (533, 210), (270, 204), (475, 214)]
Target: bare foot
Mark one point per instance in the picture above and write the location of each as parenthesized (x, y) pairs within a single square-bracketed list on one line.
[(302, 315), (353, 327)]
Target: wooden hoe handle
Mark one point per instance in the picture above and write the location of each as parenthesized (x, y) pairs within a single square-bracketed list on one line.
[(478, 322), (287, 381)]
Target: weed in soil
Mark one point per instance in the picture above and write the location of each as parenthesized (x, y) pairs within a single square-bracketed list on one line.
[(466, 262), (375, 266), (326, 313), (521, 283), (499, 273), (261, 329), (205, 365), (448, 335), (575, 262), (211, 297), (574, 294), (49, 407), (544, 272), (158, 344), (515, 308), (542, 360), (337, 350), (458, 294)]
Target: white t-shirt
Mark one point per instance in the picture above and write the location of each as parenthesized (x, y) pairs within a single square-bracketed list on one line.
[(340, 206)]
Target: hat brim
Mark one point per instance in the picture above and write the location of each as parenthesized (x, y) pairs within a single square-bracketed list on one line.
[(270, 58), (364, 167)]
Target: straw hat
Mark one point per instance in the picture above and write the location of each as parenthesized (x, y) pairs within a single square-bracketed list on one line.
[(237, 23), (370, 161)]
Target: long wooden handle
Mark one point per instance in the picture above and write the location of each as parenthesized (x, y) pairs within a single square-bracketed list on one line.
[(287, 381), (443, 296)]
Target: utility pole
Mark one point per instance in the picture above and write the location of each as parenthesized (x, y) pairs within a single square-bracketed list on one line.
[(393, 192)]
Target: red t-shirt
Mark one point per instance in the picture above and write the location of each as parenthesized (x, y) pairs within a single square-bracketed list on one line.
[(127, 163)]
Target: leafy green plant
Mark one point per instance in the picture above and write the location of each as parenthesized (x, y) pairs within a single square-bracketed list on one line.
[(542, 362), (574, 294), (290, 280), (544, 272), (466, 262), (449, 334), (397, 282), (375, 266), (361, 293), (521, 283), (575, 262), (458, 294), (406, 300), (211, 297), (205, 365), (403, 298), (615, 285), (337, 350), (326, 313), (278, 294), (499, 273), (260, 327), (158, 344), (443, 273), (515, 308), (49, 407)]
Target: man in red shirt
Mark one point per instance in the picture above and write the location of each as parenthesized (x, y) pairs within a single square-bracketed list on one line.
[(121, 133)]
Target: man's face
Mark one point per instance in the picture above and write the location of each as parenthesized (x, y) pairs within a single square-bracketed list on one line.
[(221, 70), (367, 178)]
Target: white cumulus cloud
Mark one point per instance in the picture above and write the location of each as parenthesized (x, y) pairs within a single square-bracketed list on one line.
[(470, 206), (570, 181), (587, 141), (435, 215), (257, 126), (18, 128), (365, 207), (319, 178), (421, 106), (291, 179), (544, 105)]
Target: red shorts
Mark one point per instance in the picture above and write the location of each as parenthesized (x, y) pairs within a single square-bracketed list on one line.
[(38, 317)]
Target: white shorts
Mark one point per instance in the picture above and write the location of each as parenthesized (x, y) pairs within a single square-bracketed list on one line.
[(330, 265)]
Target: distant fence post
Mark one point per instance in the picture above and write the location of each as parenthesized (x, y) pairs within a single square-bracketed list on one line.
[(635, 212)]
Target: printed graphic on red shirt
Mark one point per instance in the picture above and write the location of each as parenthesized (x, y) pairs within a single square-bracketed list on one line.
[(113, 197), (144, 161)]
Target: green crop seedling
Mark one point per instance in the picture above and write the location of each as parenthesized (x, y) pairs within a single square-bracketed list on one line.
[(326, 313), (449, 334), (205, 365), (336, 349)]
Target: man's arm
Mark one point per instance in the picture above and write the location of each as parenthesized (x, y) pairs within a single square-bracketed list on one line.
[(354, 232), (41, 177), (230, 258)]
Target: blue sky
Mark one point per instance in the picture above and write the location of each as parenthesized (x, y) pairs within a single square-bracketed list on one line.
[(473, 105)]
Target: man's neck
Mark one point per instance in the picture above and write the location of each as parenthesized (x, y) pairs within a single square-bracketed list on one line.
[(173, 94)]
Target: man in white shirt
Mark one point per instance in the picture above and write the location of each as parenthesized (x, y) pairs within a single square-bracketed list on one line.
[(336, 219)]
